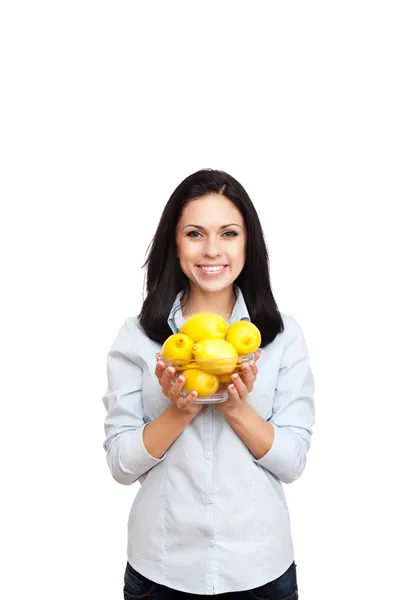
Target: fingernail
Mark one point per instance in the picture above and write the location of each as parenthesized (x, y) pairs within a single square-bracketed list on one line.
[(245, 367), (180, 379), (235, 376), (232, 387), (252, 363), (170, 370)]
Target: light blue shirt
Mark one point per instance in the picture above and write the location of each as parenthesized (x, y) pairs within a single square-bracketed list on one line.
[(209, 517)]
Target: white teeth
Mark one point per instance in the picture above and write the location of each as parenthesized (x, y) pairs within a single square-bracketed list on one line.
[(212, 268)]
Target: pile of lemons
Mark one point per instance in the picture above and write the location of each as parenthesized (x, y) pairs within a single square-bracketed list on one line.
[(207, 350)]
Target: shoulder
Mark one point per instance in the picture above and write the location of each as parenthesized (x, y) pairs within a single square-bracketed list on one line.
[(292, 328), (129, 327), (131, 340), (292, 337), (289, 322)]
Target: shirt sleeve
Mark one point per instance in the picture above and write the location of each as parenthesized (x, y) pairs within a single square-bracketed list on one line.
[(293, 410), (127, 456)]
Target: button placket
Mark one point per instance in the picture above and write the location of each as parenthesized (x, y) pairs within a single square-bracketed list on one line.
[(208, 498)]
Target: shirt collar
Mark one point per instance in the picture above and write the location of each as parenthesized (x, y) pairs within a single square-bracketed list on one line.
[(239, 313)]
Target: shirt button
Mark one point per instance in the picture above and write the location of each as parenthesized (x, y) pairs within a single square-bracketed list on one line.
[(208, 454), (208, 500), (211, 543)]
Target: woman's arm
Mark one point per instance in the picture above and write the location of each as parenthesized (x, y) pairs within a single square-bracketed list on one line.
[(280, 445), (134, 447), (159, 435), (124, 425), (256, 433)]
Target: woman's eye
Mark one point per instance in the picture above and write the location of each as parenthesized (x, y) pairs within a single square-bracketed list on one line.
[(197, 234)]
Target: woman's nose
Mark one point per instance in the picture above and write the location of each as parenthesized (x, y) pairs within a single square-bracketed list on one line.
[(212, 249)]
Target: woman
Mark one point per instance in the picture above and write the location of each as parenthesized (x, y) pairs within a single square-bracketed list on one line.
[(210, 516)]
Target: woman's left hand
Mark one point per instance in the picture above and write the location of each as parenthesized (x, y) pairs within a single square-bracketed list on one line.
[(239, 389)]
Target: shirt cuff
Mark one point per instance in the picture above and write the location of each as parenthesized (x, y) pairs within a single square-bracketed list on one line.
[(278, 456), (139, 461)]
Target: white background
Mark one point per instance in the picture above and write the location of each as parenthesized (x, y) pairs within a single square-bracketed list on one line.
[(105, 108)]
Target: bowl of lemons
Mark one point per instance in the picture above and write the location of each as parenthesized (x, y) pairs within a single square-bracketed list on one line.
[(207, 352)]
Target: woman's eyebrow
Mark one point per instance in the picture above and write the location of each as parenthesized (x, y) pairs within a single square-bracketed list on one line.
[(222, 226)]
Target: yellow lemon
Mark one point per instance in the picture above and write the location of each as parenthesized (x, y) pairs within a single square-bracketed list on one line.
[(178, 346), (207, 351), (227, 378), (190, 365), (245, 336), (205, 325), (201, 382)]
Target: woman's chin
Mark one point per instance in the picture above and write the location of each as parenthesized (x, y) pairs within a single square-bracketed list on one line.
[(213, 286)]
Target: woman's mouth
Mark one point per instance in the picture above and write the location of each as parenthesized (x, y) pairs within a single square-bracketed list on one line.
[(211, 270)]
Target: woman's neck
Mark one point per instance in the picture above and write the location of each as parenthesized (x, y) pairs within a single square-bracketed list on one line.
[(221, 303)]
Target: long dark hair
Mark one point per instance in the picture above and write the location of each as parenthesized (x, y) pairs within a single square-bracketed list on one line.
[(165, 278)]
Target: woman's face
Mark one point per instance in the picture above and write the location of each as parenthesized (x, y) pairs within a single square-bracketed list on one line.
[(211, 242)]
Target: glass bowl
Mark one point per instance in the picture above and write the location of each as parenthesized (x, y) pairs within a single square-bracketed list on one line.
[(210, 378)]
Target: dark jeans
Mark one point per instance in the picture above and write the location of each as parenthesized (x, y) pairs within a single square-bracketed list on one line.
[(137, 586)]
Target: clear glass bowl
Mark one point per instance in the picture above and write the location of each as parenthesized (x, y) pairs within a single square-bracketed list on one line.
[(213, 379)]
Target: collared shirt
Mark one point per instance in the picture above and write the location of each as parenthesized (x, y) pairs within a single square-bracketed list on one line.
[(209, 516)]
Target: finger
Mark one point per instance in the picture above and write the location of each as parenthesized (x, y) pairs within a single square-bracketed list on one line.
[(233, 393), (176, 389), (240, 386), (248, 376), (166, 379), (175, 394), (160, 369), (257, 354), (185, 403), (254, 368)]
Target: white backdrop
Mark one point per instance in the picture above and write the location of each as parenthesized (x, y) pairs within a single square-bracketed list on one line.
[(106, 107)]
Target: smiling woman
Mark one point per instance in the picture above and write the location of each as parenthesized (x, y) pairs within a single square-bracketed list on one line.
[(211, 498), (208, 241)]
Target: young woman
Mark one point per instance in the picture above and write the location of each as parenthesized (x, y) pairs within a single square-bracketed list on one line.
[(211, 515)]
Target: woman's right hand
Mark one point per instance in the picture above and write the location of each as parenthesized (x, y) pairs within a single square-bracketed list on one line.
[(173, 390)]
